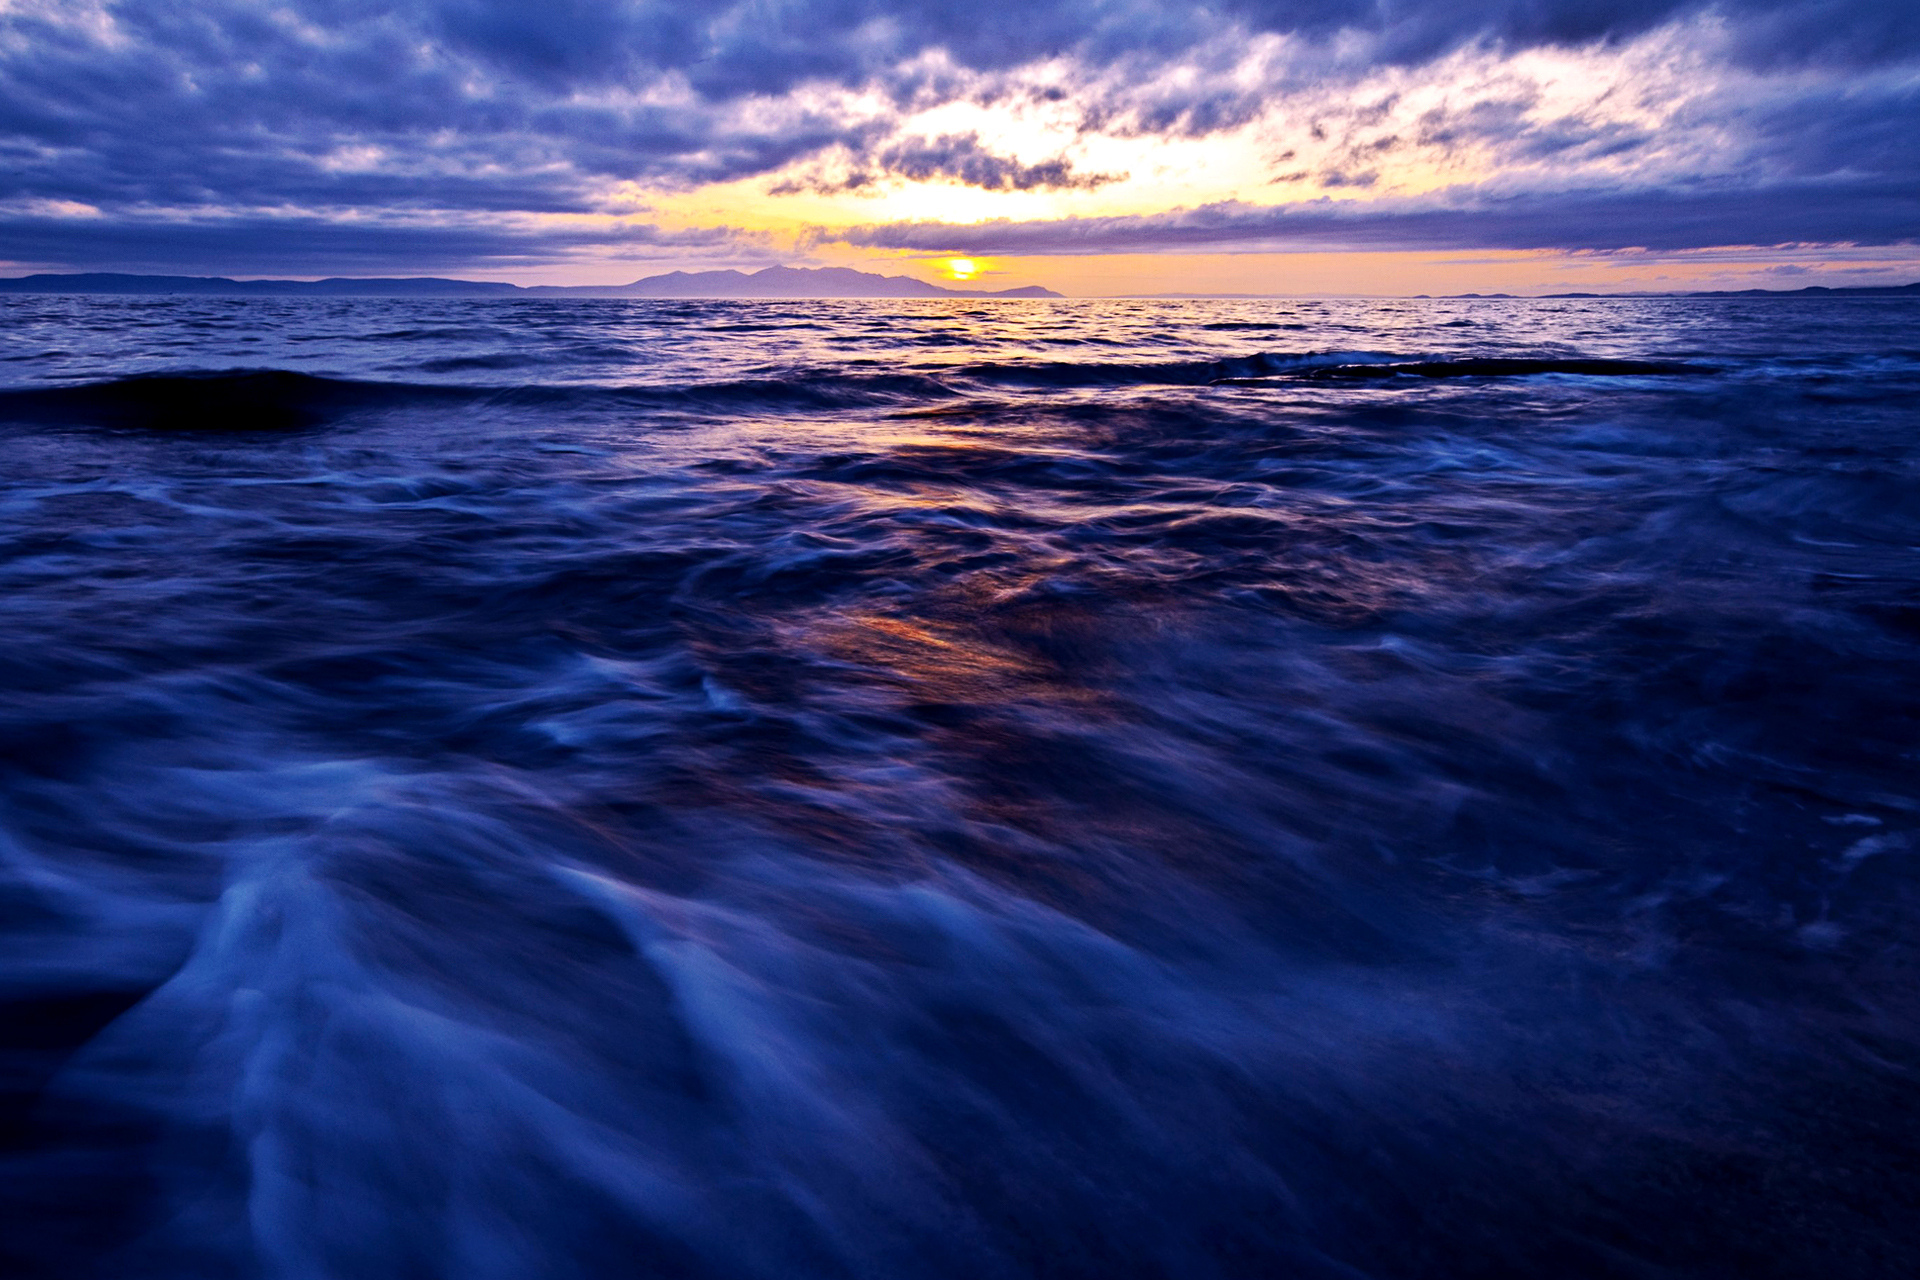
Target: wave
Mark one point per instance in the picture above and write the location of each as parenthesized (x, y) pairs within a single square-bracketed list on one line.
[(281, 399), (1318, 366), (1507, 367), (230, 400), (1266, 326)]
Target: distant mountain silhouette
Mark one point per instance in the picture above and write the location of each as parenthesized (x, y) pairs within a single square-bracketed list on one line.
[(788, 282), (771, 282)]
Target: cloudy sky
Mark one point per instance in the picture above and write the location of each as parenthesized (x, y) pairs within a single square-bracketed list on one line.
[(1100, 146)]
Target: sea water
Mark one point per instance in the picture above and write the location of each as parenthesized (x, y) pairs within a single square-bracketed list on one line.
[(502, 790)]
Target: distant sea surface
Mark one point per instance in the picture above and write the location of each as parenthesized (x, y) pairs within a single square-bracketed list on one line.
[(503, 790)]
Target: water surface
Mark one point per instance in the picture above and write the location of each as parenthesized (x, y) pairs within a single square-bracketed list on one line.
[(873, 789)]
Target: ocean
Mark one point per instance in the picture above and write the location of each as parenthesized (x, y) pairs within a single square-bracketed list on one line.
[(521, 789)]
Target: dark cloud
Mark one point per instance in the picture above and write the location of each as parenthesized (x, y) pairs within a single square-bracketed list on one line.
[(248, 246), (172, 114), (1793, 214), (961, 158), (1846, 32), (956, 157), (730, 48)]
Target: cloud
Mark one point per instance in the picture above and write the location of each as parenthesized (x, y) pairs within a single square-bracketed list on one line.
[(493, 117), (1806, 213), (957, 158), (251, 244)]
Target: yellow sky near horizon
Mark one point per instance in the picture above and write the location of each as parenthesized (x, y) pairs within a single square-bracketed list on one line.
[(1373, 274)]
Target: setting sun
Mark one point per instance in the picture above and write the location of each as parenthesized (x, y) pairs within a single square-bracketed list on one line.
[(961, 269)]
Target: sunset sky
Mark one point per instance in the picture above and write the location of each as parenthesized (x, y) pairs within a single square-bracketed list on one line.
[(1095, 146)]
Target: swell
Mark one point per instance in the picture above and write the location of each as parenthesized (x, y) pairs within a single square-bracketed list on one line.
[(282, 399), (233, 400), (1505, 367), (1317, 367)]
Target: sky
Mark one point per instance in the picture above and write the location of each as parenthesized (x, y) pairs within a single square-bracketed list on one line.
[(1095, 146)]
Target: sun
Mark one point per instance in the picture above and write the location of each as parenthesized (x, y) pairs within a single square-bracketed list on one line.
[(961, 269)]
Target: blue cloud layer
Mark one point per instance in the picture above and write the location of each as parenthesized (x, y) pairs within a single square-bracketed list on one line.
[(1862, 213), (186, 123)]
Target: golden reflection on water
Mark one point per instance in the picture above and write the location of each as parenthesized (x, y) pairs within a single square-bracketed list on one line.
[(950, 667)]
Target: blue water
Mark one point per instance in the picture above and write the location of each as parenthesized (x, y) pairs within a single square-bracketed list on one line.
[(870, 789)]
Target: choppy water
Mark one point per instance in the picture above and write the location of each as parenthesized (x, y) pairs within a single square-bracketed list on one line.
[(584, 789)]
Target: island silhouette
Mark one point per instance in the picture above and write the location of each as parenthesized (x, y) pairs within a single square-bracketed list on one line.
[(769, 282)]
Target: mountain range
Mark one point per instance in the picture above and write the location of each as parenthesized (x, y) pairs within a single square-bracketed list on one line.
[(771, 282)]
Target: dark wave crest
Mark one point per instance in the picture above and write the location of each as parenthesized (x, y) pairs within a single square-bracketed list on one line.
[(233, 400), (1315, 366), (281, 400), (242, 400)]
